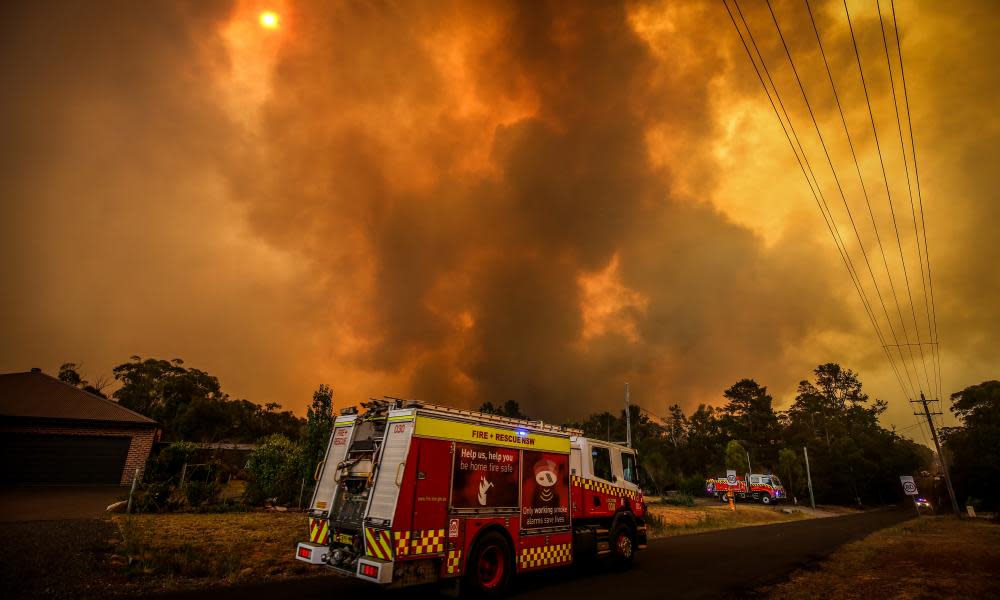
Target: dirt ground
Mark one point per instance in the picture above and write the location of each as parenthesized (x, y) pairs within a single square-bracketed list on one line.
[(926, 558)]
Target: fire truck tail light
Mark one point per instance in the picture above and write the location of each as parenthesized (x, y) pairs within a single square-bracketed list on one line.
[(369, 570), (305, 552)]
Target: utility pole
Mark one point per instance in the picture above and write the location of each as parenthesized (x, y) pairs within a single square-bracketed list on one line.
[(628, 420), (937, 446), (809, 478)]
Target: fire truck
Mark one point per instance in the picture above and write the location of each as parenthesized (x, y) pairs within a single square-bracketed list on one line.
[(412, 493), (766, 489)]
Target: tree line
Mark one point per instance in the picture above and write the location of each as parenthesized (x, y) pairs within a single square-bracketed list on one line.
[(852, 458)]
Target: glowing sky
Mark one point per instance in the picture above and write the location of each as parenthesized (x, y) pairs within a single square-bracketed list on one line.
[(480, 201)]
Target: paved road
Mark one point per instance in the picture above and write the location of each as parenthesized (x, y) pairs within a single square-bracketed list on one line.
[(718, 564), (52, 502)]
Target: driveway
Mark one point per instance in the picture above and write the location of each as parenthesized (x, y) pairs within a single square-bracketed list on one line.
[(49, 503)]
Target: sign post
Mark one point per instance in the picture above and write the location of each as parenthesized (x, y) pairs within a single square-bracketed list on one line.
[(910, 489), (731, 480)]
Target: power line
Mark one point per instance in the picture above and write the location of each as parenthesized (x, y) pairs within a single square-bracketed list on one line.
[(885, 177), (843, 197), (850, 142), (816, 191), (916, 175), (909, 189)]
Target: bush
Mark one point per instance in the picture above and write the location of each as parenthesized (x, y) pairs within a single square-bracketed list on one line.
[(678, 499), (169, 462), (153, 497), (200, 492), (275, 471), (692, 486)]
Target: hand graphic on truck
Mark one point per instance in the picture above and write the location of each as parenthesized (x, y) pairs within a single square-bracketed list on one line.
[(484, 487)]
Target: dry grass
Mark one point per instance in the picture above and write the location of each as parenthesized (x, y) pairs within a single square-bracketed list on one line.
[(667, 521), (172, 551), (930, 557)]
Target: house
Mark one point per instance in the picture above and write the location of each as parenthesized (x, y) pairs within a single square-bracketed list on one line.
[(54, 433)]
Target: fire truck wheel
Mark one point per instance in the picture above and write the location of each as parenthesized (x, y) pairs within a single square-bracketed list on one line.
[(489, 570), (622, 546), (765, 498)]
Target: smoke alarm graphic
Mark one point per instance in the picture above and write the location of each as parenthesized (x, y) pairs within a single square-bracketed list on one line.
[(545, 473)]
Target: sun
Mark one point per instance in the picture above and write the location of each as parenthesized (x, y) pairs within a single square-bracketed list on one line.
[(269, 20)]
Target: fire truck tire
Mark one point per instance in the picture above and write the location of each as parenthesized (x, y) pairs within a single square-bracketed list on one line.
[(489, 569), (766, 499), (622, 546)]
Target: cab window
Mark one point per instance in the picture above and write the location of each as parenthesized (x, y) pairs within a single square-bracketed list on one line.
[(628, 468), (601, 458)]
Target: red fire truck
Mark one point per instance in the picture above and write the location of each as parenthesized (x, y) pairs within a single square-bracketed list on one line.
[(413, 493), (766, 489)]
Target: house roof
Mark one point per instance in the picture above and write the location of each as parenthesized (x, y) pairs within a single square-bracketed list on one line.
[(39, 396)]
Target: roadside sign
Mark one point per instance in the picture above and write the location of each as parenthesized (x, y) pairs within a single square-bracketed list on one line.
[(731, 476), (909, 487)]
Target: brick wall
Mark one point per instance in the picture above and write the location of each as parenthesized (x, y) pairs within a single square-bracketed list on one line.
[(138, 450)]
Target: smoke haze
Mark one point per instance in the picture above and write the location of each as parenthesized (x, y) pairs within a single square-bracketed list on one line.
[(469, 202)]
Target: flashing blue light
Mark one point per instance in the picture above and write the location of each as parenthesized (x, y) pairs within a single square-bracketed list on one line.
[(521, 433)]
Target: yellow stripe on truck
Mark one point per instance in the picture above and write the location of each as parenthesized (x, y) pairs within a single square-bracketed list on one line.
[(427, 426), (372, 545)]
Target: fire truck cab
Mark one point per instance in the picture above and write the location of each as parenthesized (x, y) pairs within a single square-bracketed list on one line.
[(412, 493)]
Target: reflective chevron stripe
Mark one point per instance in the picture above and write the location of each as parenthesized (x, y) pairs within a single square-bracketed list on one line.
[(319, 529), (602, 487), (378, 543)]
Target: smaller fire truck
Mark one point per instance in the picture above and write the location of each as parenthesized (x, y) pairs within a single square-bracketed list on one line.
[(766, 489), (412, 493)]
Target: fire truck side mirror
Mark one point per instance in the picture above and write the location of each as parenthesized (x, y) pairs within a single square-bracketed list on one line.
[(319, 468)]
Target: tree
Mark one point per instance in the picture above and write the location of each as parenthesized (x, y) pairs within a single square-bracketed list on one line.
[(510, 408), (677, 425), (190, 405), (790, 470), (736, 456), (68, 374), (749, 416), (319, 425), (974, 447)]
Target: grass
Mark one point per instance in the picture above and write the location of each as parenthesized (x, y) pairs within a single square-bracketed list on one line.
[(930, 557), (665, 521), (170, 551)]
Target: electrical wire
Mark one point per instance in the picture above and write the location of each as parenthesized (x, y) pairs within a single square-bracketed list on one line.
[(816, 191), (885, 177), (843, 197), (909, 189), (916, 175)]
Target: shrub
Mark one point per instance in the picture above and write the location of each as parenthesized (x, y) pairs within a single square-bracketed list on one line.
[(153, 497), (167, 464), (678, 499), (692, 486), (200, 492), (275, 471)]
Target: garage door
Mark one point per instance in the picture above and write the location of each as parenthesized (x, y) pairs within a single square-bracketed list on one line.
[(35, 458)]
